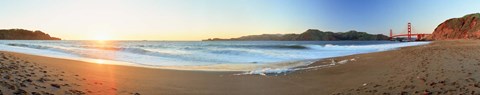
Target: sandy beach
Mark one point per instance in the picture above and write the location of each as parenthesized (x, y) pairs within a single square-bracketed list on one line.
[(442, 67)]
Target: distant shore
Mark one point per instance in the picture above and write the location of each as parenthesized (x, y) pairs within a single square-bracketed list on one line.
[(310, 35), (442, 67)]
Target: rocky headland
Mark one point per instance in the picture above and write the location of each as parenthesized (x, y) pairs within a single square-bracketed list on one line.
[(22, 34), (465, 27)]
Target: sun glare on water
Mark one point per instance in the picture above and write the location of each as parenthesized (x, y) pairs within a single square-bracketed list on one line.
[(99, 61)]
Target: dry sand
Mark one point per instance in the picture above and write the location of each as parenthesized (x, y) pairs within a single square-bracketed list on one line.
[(442, 67)]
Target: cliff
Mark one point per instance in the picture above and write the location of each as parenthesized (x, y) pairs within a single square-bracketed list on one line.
[(309, 35), (22, 34), (465, 27)]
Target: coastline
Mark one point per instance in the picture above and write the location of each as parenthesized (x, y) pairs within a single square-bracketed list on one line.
[(371, 73)]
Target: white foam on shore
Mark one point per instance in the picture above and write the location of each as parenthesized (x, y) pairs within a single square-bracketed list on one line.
[(276, 71)]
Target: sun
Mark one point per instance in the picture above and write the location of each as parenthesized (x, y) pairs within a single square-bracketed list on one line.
[(102, 37)]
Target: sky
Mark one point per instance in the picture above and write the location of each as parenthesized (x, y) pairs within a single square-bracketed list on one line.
[(202, 19)]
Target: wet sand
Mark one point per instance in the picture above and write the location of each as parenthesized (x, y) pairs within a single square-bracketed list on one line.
[(442, 67)]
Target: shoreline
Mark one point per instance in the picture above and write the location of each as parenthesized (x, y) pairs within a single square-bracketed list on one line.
[(234, 67), (370, 73)]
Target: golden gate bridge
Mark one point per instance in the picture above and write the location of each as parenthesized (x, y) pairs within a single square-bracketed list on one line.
[(401, 37)]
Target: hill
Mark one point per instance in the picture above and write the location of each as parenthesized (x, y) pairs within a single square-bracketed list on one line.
[(22, 34), (309, 35), (465, 27)]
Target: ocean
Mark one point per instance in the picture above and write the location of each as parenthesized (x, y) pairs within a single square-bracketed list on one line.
[(276, 56)]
